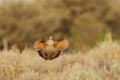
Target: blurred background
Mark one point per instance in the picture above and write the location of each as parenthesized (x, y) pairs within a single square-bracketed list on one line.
[(83, 22)]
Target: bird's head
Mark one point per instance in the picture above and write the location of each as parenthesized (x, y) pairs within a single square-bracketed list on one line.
[(50, 42)]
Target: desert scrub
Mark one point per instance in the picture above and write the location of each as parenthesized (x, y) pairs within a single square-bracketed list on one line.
[(13, 67), (77, 72), (105, 58), (84, 23), (100, 63), (30, 75)]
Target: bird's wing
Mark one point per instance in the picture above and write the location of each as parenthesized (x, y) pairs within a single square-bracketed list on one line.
[(61, 44), (40, 45)]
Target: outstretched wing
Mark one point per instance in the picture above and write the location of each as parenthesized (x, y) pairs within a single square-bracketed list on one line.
[(40, 45), (61, 44), (50, 51)]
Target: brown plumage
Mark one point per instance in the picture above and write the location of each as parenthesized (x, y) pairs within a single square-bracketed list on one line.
[(61, 44), (50, 49), (40, 45)]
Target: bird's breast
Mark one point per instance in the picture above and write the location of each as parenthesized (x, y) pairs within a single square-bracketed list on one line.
[(49, 52)]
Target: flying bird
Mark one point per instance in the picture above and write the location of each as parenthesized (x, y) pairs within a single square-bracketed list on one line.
[(50, 49)]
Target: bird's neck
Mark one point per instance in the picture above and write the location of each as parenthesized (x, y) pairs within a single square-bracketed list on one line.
[(50, 42)]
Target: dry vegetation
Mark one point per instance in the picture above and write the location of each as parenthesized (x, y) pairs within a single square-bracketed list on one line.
[(82, 21), (100, 63)]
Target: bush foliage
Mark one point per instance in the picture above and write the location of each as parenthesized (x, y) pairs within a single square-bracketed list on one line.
[(100, 63), (82, 21)]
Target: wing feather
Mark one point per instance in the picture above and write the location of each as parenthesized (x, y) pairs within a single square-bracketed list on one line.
[(49, 52), (40, 45), (61, 44)]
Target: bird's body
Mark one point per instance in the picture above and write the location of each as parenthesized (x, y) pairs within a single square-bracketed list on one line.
[(50, 49)]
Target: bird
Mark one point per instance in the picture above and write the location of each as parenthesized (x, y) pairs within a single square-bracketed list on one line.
[(50, 49)]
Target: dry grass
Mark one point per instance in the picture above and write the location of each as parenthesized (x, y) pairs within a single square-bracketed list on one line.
[(100, 63)]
